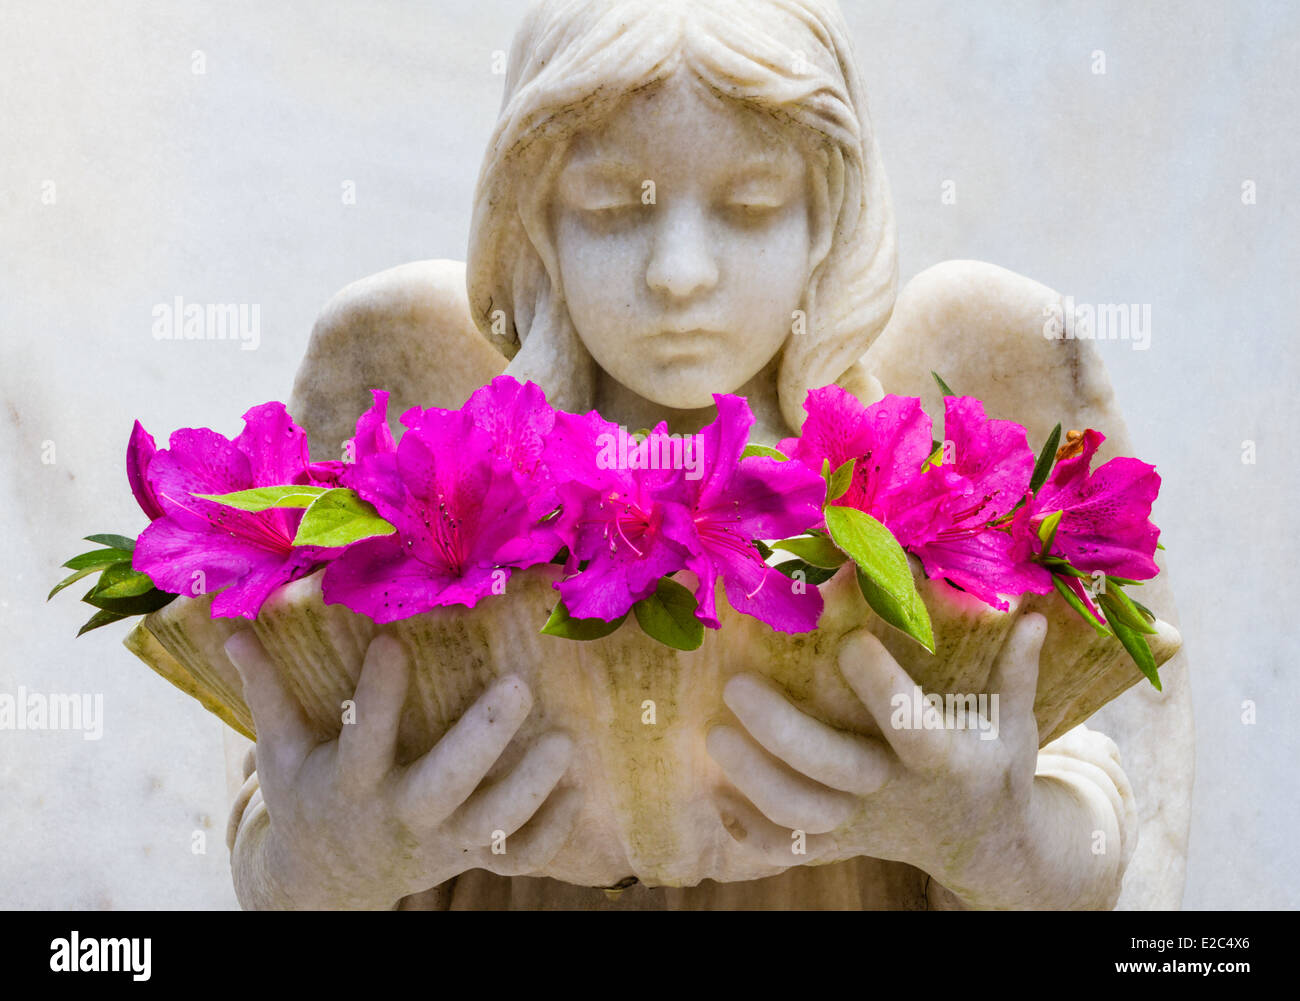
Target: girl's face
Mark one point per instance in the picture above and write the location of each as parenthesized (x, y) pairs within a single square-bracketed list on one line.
[(682, 230)]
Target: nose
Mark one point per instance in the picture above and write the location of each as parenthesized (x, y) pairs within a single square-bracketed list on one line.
[(682, 263)]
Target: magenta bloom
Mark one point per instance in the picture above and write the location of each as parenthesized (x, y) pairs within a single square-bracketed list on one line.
[(139, 453), (737, 501), (628, 526), (462, 520), (890, 439), (944, 514), (199, 546), (1106, 521), (518, 421)]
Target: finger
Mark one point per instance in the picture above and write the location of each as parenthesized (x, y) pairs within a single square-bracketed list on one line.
[(880, 684), (238, 807), (840, 760), (284, 736), (1092, 778), (535, 845), (1015, 676), (782, 794), (780, 847), (433, 787), (368, 747), (507, 805), (255, 816)]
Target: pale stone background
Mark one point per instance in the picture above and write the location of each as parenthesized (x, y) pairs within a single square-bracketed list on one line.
[(226, 187)]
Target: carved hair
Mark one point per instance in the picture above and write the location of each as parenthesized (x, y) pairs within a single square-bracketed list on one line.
[(572, 62)]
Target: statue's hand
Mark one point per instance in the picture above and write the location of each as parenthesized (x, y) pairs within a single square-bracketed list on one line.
[(968, 811), (349, 828)]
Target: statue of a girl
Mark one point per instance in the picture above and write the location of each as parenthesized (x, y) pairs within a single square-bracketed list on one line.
[(680, 199)]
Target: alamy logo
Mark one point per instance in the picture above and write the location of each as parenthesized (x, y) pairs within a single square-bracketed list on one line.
[(930, 711), (59, 711), (102, 955), (623, 450), (211, 321), (1105, 321)]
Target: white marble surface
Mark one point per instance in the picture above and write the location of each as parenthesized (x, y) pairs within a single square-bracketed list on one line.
[(226, 187)]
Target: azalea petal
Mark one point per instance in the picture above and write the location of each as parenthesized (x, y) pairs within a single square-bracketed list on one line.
[(620, 574), (139, 453), (516, 418), (1105, 523), (197, 461), (375, 577), (276, 447), (890, 440), (982, 564), (756, 589), (719, 446), (244, 598), (373, 436), (172, 553), (993, 455)]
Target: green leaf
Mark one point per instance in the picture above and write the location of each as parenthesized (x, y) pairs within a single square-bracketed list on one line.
[(98, 558), (1143, 609), (1046, 459), (564, 625), (910, 616), (1075, 602), (817, 550), (1136, 645), (943, 386), (1047, 529), (1058, 565), (838, 485), (264, 498), (668, 615), (340, 517), (140, 604), (1119, 606), (122, 582), (764, 550), (1124, 582), (884, 575), (113, 542), (101, 618), (811, 574), (935, 457), (71, 579), (764, 451)]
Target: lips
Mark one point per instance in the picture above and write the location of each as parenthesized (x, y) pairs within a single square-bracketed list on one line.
[(679, 338)]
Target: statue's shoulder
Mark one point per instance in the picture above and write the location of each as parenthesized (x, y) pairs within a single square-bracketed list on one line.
[(989, 332), (407, 330)]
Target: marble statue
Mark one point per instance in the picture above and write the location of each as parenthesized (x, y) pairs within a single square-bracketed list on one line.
[(685, 197)]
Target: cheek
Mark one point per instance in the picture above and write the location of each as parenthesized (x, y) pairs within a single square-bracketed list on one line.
[(602, 269), (767, 271)]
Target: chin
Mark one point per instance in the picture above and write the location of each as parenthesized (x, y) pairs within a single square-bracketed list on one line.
[(682, 391)]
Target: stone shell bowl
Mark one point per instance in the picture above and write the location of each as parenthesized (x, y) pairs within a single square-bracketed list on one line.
[(649, 788)]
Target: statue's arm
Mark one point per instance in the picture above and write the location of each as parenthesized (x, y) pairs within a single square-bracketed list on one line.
[(982, 329), (407, 330)]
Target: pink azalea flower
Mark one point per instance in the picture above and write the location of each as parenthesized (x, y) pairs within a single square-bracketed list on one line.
[(889, 439), (139, 453), (518, 421), (1106, 522), (462, 520), (626, 525), (740, 500), (945, 514), (200, 546)]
